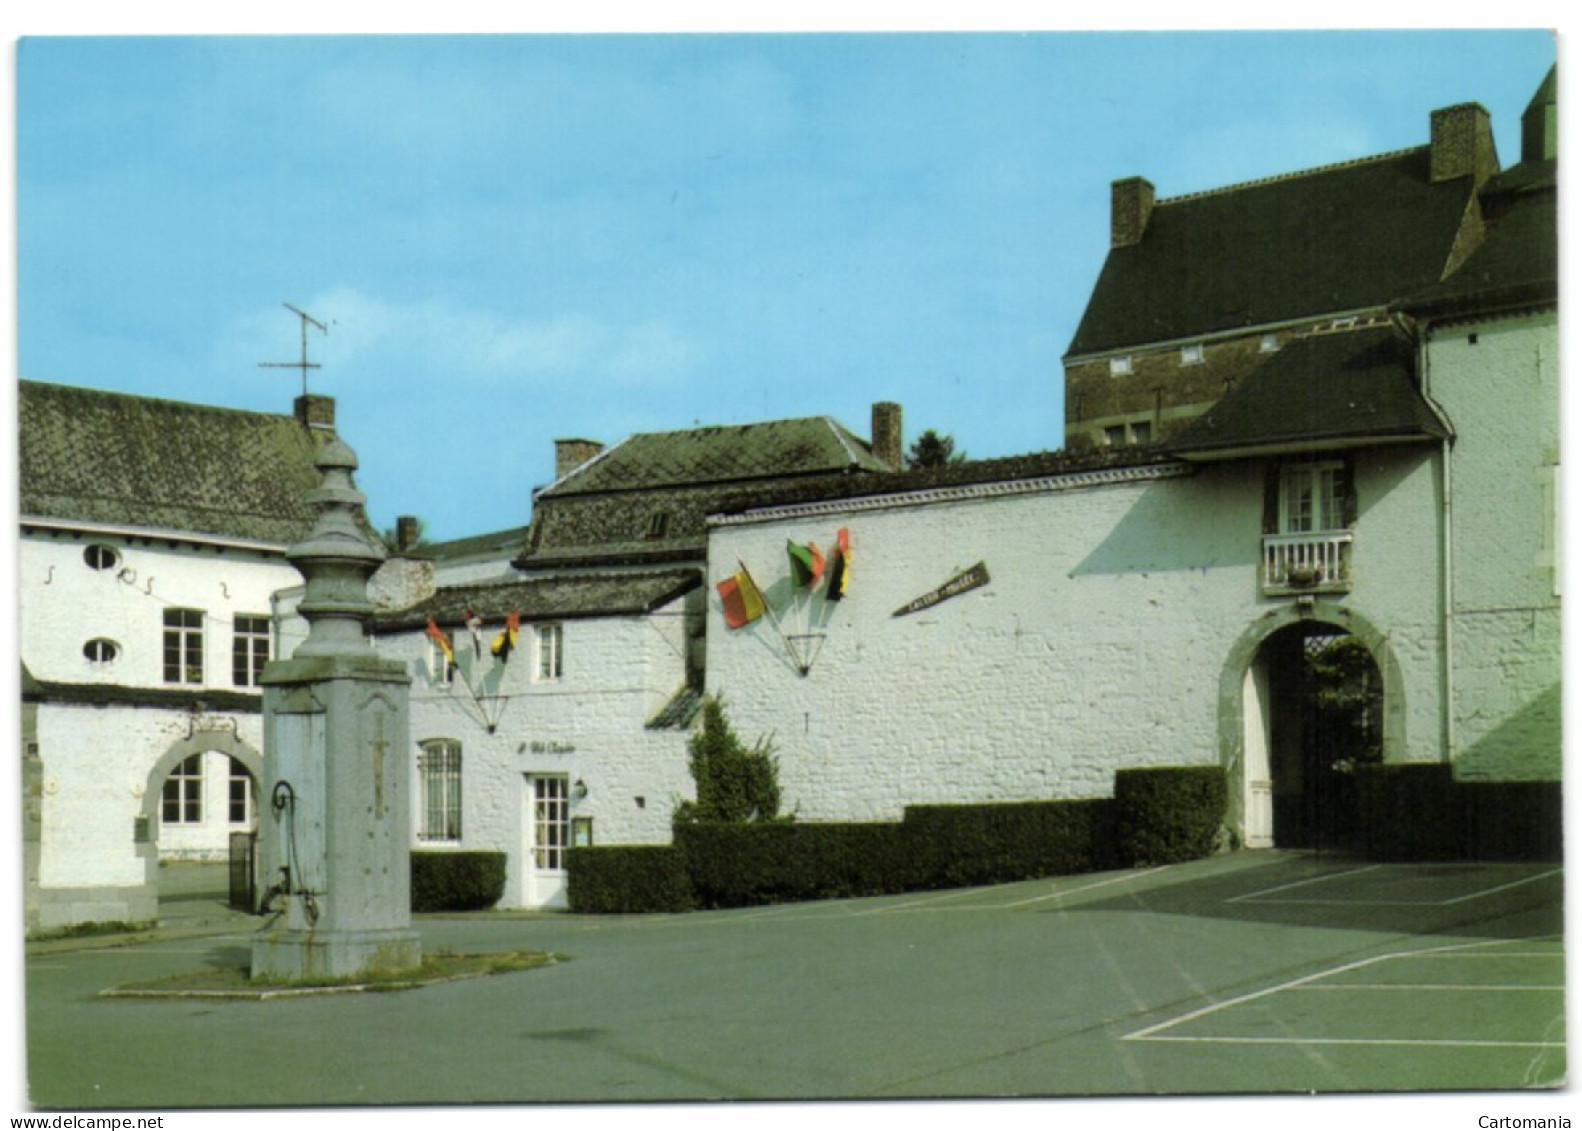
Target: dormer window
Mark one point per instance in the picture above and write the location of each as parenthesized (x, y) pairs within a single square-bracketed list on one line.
[(1121, 366), (1192, 354), (658, 525)]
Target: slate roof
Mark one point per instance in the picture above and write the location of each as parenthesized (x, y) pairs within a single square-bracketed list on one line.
[(1007, 469), (94, 456), (646, 500), (498, 543), (1341, 238), (1519, 260), (1323, 390), (545, 598)]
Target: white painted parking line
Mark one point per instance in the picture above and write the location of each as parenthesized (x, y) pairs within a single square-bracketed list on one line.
[(1303, 883), (1084, 887), (1152, 1032), (1504, 887)]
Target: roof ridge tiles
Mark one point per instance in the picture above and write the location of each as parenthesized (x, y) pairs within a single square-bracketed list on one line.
[(1279, 178)]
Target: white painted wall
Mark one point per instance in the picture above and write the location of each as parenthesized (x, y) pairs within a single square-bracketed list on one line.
[(588, 726), (1099, 643), (1499, 380)]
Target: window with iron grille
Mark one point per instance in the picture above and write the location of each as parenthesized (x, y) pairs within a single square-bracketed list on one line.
[(249, 649), (551, 823), (183, 794), (183, 646), (551, 651), (439, 790)]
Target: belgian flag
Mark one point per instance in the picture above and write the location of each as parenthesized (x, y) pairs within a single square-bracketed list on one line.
[(743, 602), (839, 566)]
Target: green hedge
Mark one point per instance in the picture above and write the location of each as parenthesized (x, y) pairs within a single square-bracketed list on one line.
[(627, 879), (739, 865), (457, 881), (1420, 812), (963, 845), (1168, 814)]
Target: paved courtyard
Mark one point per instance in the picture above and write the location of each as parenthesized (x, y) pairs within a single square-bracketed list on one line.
[(1257, 972)]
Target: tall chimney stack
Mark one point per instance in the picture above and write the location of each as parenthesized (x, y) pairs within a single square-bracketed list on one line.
[(1462, 144), (572, 454), (1131, 203), (886, 438), (406, 532)]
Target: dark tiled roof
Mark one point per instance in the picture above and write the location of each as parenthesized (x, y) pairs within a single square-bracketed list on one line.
[(1008, 469), (158, 698), (679, 712), (723, 454), (1325, 389), (590, 595), (94, 456), (1518, 262), (499, 543), (645, 501), (1342, 238)]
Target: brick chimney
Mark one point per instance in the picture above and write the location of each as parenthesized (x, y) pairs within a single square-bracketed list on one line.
[(315, 411), (1131, 203), (406, 532), (572, 454), (1462, 144), (886, 438)]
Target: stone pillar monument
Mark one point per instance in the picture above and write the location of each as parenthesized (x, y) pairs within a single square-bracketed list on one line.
[(333, 817)]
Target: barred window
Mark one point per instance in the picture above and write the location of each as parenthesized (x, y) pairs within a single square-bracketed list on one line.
[(439, 788), (249, 649), (183, 645)]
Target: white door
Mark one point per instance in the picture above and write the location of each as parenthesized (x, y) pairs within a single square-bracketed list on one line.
[(1258, 798), (548, 828)]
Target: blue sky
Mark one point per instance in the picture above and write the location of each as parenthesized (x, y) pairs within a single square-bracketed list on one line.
[(517, 238)]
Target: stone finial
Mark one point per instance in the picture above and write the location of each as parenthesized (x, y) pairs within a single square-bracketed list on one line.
[(336, 559)]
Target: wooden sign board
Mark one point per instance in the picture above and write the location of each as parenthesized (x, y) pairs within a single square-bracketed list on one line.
[(973, 578)]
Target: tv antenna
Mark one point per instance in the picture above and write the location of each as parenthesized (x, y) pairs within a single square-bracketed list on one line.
[(304, 364)]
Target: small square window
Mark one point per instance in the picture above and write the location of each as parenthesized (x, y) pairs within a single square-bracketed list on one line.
[(1142, 432), (1120, 366), (1192, 354), (1114, 435), (658, 524), (1269, 343)]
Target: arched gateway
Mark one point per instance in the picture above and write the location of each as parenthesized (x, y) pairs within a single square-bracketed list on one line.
[(1287, 776)]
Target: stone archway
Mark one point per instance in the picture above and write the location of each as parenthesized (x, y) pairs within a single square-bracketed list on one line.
[(1245, 707)]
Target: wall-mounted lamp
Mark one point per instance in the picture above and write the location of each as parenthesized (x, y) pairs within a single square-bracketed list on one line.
[(579, 789)]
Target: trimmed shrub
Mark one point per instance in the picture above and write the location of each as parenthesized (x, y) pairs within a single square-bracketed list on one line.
[(1168, 814), (457, 881), (744, 865), (1409, 812), (1520, 820), (960, 845), (627, 879)]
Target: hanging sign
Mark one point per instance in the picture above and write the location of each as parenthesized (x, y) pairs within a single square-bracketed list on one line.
[(974, 578)]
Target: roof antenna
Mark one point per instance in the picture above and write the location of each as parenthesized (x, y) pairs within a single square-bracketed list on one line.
[(304, 364)]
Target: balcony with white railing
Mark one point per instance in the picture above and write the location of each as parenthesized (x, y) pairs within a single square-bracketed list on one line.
[(1315, 562)]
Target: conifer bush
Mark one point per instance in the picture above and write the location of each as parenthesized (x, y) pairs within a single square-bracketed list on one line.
[(735, 783)]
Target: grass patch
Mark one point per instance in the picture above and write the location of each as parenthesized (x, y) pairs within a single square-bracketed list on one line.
[(91, 930), (237, 981)]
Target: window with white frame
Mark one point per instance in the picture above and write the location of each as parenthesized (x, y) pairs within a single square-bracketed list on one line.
[(183, 646), (239, 799), (551, 822), (1120, 366), (439, 790), (183, 793), (551, 652), (1312, 497), (1269, 343), (249, 649), (1192, 354)]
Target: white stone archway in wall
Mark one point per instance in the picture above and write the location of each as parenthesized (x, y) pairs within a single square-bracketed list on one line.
[(1245, 709), (222, 741)]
